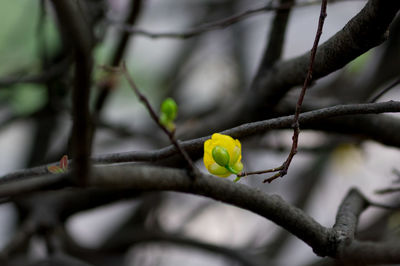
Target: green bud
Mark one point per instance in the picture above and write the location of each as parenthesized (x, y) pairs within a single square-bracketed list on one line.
[(220, 156), (169, 109)]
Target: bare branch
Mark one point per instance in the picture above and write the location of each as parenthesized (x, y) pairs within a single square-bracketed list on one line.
[(384, 91), (198, 30), (371, 252), (118, 54), (276, 37), (19, 239), (143, 235), (347, 216), (53, 72)]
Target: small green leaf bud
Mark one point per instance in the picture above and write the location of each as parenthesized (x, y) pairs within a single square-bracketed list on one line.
[(169, 108)]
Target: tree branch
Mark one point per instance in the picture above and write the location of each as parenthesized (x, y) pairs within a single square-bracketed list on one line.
[(52, 73), (142, 235), (347, 216), (276, 38), (335, 242), (369, 253), (77, 33), (271, 207), (118, 53)]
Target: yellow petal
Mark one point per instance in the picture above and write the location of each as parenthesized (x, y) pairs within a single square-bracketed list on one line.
[(236, 156), (208, 146), (207, 159), (224, 141)]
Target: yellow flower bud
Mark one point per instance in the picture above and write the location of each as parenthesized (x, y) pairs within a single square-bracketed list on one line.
[(222, 155)]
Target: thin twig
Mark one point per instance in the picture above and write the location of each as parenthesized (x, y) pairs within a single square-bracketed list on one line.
[(219, 24), (154, 116), (285, 166), (272, 170)]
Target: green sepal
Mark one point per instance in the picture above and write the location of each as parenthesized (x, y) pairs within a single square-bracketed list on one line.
[(237, 179), (221, 156)]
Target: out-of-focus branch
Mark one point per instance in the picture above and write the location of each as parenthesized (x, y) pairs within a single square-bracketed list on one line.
[(198, 30), (385, 69), (51, 73), (119, 51), (34, 183), (369, 253), (385, 90), (351, 250), (77, 33), (19, 240), (60, 259), (276, 38), (379, 128), (394, 189), (219, 24), (137, 236), (347, 216)]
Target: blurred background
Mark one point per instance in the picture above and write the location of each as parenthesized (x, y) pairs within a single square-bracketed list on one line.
[(201, 73)]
